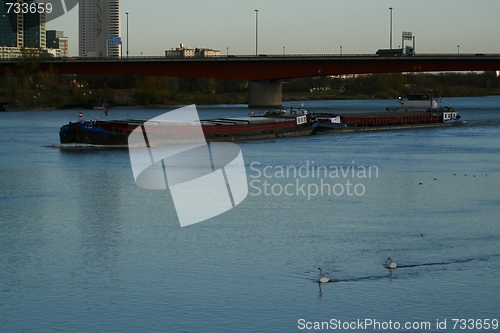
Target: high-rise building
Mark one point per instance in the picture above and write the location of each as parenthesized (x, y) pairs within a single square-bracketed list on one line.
[(57, 42), (99, 28), (21, 31), (8, 24), (34, 29)]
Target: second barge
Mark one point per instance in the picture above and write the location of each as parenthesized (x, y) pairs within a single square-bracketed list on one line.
[(375, 121)]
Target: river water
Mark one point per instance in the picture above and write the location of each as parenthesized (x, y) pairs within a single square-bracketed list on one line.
[(83, 249)]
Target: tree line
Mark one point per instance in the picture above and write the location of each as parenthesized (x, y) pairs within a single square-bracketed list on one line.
[(393, 85)]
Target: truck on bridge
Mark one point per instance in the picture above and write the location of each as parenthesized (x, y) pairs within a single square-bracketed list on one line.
[(408, 51)]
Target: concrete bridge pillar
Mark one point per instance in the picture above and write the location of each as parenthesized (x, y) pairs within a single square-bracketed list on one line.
[(266, 93)]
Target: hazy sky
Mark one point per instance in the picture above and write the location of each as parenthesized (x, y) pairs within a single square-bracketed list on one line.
[(303, 26)]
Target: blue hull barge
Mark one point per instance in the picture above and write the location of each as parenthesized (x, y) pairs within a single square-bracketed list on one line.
[(270, 124)]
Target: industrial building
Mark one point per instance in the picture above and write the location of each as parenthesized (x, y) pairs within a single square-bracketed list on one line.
[(183, 52)]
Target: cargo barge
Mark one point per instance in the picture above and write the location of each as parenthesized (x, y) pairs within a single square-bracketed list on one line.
[(375, 121), (270, 124)]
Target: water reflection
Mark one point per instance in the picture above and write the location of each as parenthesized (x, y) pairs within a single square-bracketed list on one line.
[(99, 185)]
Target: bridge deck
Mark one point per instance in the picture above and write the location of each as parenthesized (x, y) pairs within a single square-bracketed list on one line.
[(263, 67)]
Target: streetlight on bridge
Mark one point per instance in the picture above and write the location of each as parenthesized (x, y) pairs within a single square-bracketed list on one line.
[(127, 33), (256, 32), (390, 8)]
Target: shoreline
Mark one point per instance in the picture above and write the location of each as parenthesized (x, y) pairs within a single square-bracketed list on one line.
[(188, 102)]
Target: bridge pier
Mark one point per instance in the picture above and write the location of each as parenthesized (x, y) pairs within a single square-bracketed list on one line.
[(265, 93)]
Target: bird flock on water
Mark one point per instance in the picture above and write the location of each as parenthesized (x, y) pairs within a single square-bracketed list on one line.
[(391, 264)]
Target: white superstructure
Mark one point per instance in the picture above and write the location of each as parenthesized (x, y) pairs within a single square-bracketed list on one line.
[(418, 102)]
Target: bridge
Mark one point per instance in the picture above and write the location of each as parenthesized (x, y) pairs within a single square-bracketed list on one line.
[(264, 72)]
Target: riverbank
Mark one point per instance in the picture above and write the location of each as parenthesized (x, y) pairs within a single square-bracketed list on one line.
[(205, 99), (63, 92)]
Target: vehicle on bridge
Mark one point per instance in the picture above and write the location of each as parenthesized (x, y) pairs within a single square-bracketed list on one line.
[(408, 51)]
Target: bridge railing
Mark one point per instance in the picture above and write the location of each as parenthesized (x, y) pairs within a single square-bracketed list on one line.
[(287, 56), (266, 57)]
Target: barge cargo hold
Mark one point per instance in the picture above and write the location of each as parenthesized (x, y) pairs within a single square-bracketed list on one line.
[(375, 121), (271, 124)]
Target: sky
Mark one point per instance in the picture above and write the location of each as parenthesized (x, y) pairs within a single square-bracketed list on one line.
[(302, 26)]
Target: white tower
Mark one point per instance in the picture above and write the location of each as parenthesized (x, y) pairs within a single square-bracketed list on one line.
[(99, 22)]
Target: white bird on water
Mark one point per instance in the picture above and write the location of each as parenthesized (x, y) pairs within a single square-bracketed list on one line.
[(391, 264), (322, 279)]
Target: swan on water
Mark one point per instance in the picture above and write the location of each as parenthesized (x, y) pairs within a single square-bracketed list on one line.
[(322, 279), (391, 264)]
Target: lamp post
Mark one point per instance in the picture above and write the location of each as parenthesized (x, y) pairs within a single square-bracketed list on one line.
[(341, 50), (256, 32), (458, 46), (127, 33), (390, 43)]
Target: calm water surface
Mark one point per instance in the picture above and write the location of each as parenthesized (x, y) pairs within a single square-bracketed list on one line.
[(83, 249)]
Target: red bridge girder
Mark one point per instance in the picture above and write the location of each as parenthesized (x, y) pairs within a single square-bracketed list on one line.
[(260, 68)]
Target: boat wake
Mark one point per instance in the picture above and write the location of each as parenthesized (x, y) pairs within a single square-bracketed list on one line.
[(436, 263), (83, 146), (379, 277)]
